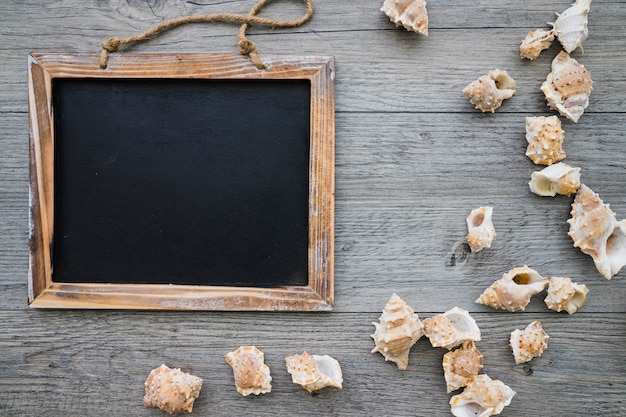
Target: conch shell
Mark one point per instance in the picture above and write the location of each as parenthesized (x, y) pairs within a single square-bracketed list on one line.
[(482, 397), (568, 87), (252, 376), (512, 292), (570, 27), (451, 328), (314, 372), (545, 140), (528, 343), (595, 230), (480, 228), (535, 42), (488, 92), (399, 329), (556, 179), (564, 294), (461, 364), (409, 13), (171, 390)]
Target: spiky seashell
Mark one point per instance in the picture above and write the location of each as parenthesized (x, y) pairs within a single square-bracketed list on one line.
[(567, 87), (171, 390), (408, 13), (570, 27), (535, 42), (399, 329), (482, 397), (461, 364), (594, 229), (512, 292), (451, 328), (488, 91), (545, 139), (314, 372), (480, 228), (252, 376), (564, 294), (528, 343), (556, 179)]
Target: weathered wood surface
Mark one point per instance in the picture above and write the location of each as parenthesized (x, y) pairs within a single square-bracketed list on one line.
[(412, 159)]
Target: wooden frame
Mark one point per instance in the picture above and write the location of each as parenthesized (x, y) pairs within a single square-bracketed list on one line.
[(44, 292)]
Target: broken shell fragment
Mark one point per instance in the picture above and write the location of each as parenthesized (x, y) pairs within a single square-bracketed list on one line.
[(461, 364), (408, 13), (482, 397), (555, 179), (488, 91), (399, 329), (512, 292), (171, 390), (545, 139), (480, 228), (451, 328), (252, 376), (528, 343), (564, 294), (595, 230), (570, 27), (567, 87), (314, 372), (535, 42)]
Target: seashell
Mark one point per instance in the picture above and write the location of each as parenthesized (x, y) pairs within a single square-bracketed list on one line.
[(556, 179), (563, 294), (535, 42), (512, 292), (528, 343), (482, 397), (488, 92), (461, 364), (171, 390), (567, 87), (545, 140), (570, 27), (314, 372), (480, 228), (399, 329), (451, 328), (595, 230), (408, 13), (252, 376)]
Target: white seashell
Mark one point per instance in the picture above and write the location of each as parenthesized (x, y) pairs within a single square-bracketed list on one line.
[(482, 397), (563, 294), (399, 329), (409, 13), (314, 372), (535, 42), (595, 230), (512, 292), (545, 139), (252, 376), (528, 343), (461, 364), (488, 92), (171, 390), (451, 328), (567, 87), (570, 27), (480, 228), (556, 179)]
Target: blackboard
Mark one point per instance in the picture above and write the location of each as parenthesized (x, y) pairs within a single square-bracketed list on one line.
[(192, 182)]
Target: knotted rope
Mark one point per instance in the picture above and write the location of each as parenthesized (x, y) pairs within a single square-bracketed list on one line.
[(246, 46)]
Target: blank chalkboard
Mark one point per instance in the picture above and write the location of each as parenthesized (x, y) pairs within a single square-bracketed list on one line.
[(182, 181)]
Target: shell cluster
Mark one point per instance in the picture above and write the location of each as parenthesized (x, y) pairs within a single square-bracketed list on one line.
[(482, 397), (411, 14), (545, 139), (512, 292), (480, 229), (570, 28), (171, 390), (555, 179), (528, 343), (564, 294), (314, 372), (251, 374), (489, 91)]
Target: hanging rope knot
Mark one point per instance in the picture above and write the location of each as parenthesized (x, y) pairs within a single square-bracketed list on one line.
[(111, 44)]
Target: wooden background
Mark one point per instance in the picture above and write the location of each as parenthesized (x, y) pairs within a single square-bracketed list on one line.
[(412, 159)]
